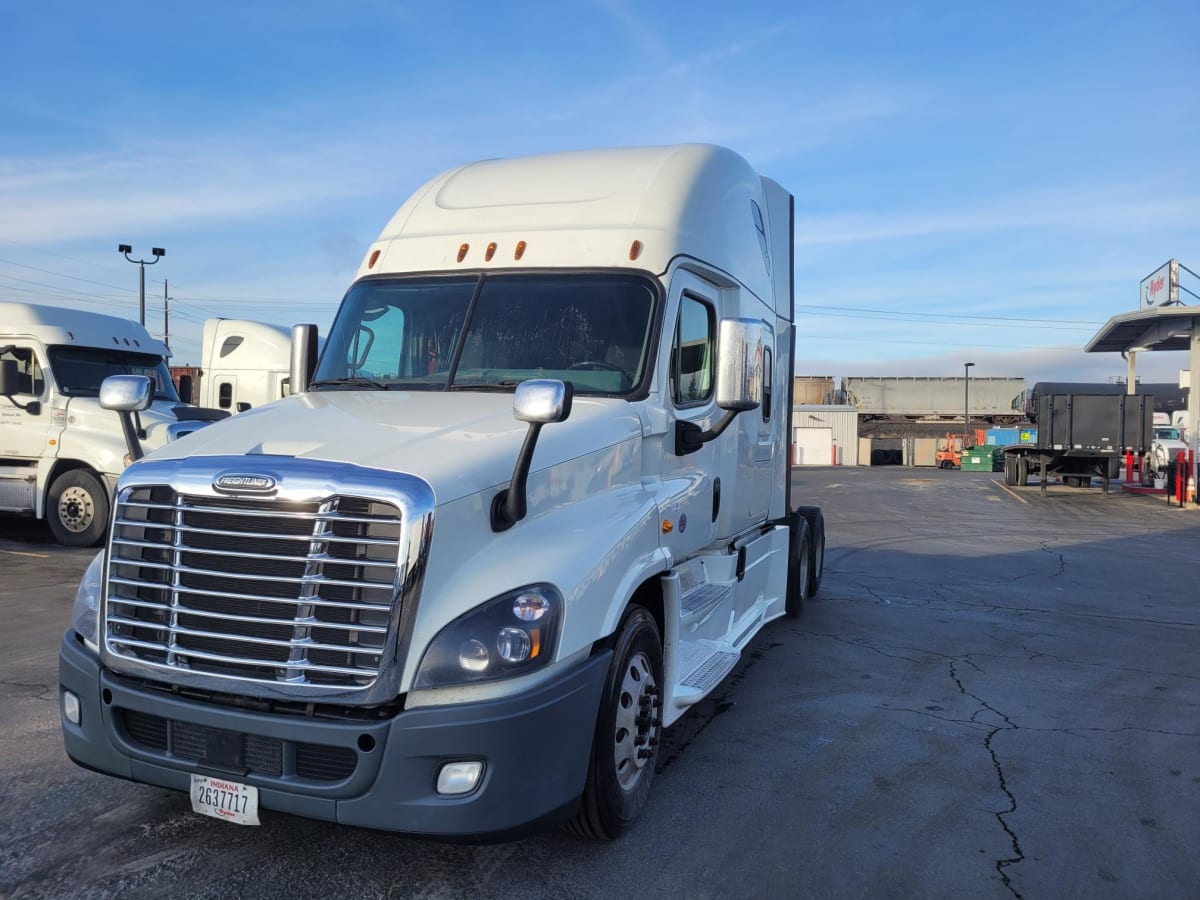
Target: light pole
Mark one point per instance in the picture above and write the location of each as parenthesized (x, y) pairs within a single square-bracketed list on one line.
[(966, 402), (158, 253)]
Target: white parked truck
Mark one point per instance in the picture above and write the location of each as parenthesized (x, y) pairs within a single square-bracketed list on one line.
[(532, 506), (60, 453), (244, 364)]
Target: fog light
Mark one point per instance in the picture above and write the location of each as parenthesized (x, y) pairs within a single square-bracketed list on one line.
[(459, 777), (71, 708)]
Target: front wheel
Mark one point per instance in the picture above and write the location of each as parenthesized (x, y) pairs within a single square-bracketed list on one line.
[(627, 732), (77, 509)]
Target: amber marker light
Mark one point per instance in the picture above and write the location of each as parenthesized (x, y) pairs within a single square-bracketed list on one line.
[(462, 252), (667, 527), (520, 251), (635, 250), (490, 252), (535, 636), (374, 259)]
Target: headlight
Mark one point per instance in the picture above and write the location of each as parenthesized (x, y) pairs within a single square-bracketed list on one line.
[(85, 614), (512, 634)]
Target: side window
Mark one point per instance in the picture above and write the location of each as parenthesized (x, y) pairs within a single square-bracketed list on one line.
[(29, 374), (766, 385), (225, 395), (692, 352), (379, 348)]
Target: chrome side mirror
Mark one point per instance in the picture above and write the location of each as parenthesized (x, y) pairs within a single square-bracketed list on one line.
[(542, 401), (126, 393), (539, 402), (304, 358), (739, 364)]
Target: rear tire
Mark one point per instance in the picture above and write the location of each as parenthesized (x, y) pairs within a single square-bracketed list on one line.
[(799, 562), (1010, 470), (628, 729), (816, 542), (77, 509)]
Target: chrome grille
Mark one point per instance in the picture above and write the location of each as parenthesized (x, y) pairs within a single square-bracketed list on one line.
[(268, 590)]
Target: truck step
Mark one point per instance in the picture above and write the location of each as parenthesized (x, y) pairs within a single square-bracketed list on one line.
[(706, 676)]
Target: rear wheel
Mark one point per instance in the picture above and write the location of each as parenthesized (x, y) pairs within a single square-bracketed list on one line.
[(627, 732), (799, 563), (77, 509), (1022, 471), (1010, 470), (816, 543)]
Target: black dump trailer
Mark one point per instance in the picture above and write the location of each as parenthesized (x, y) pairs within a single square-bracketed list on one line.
[(1081, 436)]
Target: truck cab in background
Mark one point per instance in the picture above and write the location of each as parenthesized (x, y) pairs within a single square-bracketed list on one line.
[(60, 453), (244, 364), (530, 508)]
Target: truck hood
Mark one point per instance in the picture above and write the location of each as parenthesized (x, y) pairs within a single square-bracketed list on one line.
[(87, 414), (459, 442)]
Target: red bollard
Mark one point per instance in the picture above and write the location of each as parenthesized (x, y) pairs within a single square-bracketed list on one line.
[(1180, 475), (1129, 479)]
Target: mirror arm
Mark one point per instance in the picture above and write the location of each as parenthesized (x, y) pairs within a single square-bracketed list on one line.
[(689, 437), (509, 506), (33, 407), (131, 436)]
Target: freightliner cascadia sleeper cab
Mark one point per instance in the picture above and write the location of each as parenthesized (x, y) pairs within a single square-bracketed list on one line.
[(530, 507)]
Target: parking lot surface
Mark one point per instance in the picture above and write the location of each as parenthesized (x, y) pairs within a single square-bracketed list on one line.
[(997, 694)]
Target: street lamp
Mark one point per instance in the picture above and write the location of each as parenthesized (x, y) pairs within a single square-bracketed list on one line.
[(966, 402), (158, 252)]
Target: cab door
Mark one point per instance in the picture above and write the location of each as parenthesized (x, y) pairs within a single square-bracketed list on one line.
[(691, 484), (26, 436)]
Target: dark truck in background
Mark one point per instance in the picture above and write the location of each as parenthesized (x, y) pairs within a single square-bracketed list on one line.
[(1081, 436)]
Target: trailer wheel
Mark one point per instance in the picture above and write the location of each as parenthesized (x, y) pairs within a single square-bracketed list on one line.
[(621, 768), (816, 544), (77, 509), (1010, 470), (1022, 471), (799, 566)]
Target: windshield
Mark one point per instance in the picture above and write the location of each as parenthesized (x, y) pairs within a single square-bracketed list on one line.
[(78, 371), (492, 332), (1167, 434)]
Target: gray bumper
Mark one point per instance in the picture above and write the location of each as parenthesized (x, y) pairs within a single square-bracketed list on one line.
[(535, 748)]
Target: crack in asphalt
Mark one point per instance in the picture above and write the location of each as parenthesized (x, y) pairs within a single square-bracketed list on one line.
[(1009, 725), (1062, 562), (864, 644), (41, 690)]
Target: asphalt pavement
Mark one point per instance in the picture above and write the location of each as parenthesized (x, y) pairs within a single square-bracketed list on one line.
[(996, 694)]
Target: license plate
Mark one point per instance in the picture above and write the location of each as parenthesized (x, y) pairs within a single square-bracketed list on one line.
[(222, 799)]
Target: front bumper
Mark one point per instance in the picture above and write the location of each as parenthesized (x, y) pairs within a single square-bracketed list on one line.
[(535, 748)]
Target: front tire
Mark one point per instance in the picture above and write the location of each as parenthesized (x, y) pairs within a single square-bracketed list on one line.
[(77, 509), (624, 749)]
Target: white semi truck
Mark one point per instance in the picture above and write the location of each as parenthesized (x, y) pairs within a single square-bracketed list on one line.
[(531, 507), (244, 364), (60, 453)]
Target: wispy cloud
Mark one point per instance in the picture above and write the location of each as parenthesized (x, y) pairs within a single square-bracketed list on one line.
[(1083, 210)]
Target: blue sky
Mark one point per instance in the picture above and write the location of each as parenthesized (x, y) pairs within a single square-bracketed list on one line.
[(984, 182)]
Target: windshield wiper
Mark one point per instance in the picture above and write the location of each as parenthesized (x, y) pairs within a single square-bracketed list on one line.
[(351, 382)]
